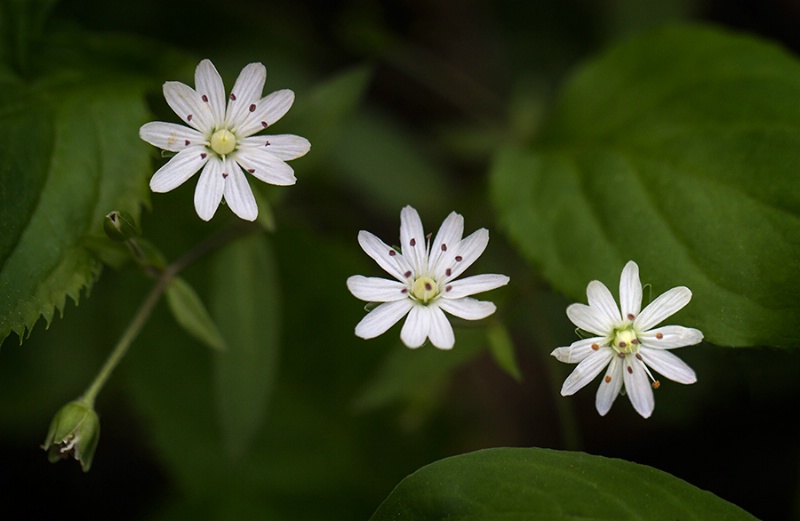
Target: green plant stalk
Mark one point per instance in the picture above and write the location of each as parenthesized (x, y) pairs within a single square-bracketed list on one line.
[(139, 320)]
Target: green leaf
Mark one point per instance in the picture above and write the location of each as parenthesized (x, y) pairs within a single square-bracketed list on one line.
[(69, 154), (679, 150), (525, 484), (191, 314), (245, 303), (502, 348)]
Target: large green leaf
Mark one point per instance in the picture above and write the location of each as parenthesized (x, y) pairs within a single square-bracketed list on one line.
[(69, 154), (532, 484), (681, 150), (245, 303)]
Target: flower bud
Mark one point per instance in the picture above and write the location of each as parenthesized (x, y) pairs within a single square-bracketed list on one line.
[(75, 430), (120, 226)]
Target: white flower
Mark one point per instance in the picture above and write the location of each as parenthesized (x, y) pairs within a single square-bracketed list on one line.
[(425, 285), (221, 140), (627, 343)]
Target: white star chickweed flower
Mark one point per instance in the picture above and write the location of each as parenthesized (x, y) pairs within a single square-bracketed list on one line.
[(627, 343), (425, 285), (221, 139)]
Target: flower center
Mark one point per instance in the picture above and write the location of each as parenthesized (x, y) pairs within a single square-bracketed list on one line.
[(223, 142), (625, 341), (425, 289)]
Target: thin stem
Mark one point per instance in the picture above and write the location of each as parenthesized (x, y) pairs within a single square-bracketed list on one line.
[(165, 277)]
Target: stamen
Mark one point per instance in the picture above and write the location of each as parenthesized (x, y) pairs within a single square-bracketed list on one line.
[(448, 287), (607, 379), (189, 117), (459, 258), (253, 107), (187, 143), (428, 286), (635, 341), (630, 370), (621, 355), (444, 247), (267, 143), (412, 242), (251, 170), (224, 175), (392, 253), (233, 96), (404, 290), (264, 124), (595, 347), (638, 356), (407, 274), (659, 336), (630, 316), (448, 272), (622, 344), (656, 384), (204, 98), (203, 155)]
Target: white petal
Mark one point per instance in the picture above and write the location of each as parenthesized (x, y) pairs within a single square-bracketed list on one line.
[(443, 248), (208, 193), (264, 112), (441, 331), (671, 337), (609, 389), (669, 365), (468, 251), (467, 308), (178, 169), (475, 284), (283, 146), (245, 92), (600, 298), (265, 166), (208, 83), (417, 326), (375, 289), (170, 136), (377, 321), (412, 239), (586, 371), (637, 385), (387, 258), (630, 291), (663, 307), (577, 351), (189, 106), (238, 193), (590, 319)]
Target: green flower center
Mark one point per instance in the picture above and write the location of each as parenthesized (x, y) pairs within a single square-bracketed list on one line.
[(223, 142), (425, 289), (625, 341)]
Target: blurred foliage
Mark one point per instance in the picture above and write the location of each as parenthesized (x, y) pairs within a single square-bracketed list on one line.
[(404, 103)]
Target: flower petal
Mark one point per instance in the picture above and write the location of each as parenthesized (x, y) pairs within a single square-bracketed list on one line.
[(246, 91), (265, 166), (264, 112), (600, 298), (417, 326), (283, 146), (577, 351), (590, 319), (637, 385), (610, 386), (375, 289), (467, 308), (441, 331), (669, 365), (209, 190), (238, 193), (586, 371), (208, 84), (170, 136), (663, 307), (671, 337), (630, 291), (387, 258), (178, 169), (380, 319), (412, 240), (189, 106), (443, 248), (474, 284), (468, 251)]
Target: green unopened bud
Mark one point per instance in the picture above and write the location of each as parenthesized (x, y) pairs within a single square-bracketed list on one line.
[(75, 430), (120, 226)]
